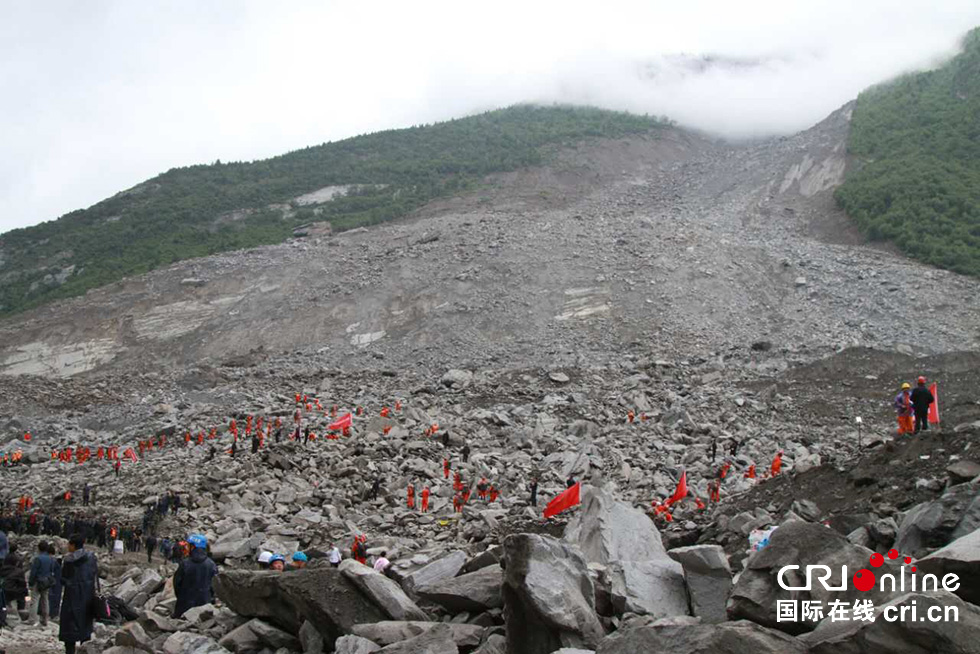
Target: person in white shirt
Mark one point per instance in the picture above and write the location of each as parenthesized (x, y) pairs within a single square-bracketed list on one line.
[(334, 556), (381, 563)]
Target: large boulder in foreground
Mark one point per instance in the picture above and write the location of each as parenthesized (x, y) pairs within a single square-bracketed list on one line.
[(800, 543), (730, 638), (642, 578), (549, 598), (708, 577), (389, 632), (474, 592), (445, 567), (382, 591), (962, 558), (607, 530), (938, 523), (321, 595), (438, 640), (908, 636)]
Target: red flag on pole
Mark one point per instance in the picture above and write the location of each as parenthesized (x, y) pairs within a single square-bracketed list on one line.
[(344, 422), (681, 491), (566, 500), (934, 407)]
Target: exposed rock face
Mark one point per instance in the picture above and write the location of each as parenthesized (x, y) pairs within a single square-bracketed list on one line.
[(442, 568), (474, 592), (708, 577), (962, 558), (643, 579), (321, 595), (548, 596), (386, 633), (382, 591), (798, 543), (938, 523), (903, 635), (731, 638)]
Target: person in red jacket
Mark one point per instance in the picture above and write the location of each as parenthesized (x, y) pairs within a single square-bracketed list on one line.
[(777, 464), (425, 499), (411, 496)]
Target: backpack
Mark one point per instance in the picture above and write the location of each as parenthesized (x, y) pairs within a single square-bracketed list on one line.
[(45, 583)]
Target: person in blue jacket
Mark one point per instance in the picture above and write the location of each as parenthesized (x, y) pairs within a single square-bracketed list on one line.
[(40, 580)]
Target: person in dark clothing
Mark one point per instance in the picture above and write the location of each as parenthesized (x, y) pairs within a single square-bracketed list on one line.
[(40, 580), (54, 595), (570, 482), (14, 579), (175, 503), (466, 452), (234, 448), (86, 493), (921, 399), (714, 449), (733, 449), (192, 581), (534, 491), (375, 487), (278, 434), (79, 573), (255, 443), (151, 543)]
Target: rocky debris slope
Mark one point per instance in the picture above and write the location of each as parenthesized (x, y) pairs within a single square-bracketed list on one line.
[(684, 244)]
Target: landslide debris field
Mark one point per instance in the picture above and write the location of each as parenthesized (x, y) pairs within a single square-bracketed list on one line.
[(711, 290)]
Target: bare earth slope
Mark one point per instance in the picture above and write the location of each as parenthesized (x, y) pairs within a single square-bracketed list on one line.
[(681, 244)]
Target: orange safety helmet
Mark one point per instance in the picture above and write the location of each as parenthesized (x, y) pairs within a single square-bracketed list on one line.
[(922, 381)]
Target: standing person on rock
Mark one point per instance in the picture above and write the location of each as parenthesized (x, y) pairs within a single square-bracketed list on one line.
[(255, 443), (40, 580), (151, 543), (905, 410), (466, 452), (533, 488), (334, 556), (921, 399), (192, 580), (79, 572), (14, 579)]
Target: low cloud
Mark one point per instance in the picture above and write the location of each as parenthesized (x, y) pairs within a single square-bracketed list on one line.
[(102, 96)]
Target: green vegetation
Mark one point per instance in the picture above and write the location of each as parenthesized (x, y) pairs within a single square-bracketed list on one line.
[(201, 210), (917, 143)]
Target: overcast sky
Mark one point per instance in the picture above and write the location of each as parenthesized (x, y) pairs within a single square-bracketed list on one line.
[(96, 96)]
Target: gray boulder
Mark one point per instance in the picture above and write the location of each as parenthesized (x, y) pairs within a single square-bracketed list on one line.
[(438, 640), (938, 523), (474, 592), (382, 591), (353, 645), (643, 579), (312, 642), (708, 577), (390, 631), (321, 595), (740, 637), (962, 558), (606, 530), (549, 598), (184, 642), (963, 471), (902, 635), (442, 568), (756, 592)]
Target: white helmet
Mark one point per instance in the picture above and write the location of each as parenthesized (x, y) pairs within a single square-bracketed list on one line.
[(265, 557)]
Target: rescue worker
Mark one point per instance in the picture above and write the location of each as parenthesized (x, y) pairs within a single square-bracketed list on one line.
[(425, 499), (921, 399), (411, 496), (905, 410), (277, 562), (264, 559), (533, 488), (192, 581), (299, 560), (777, 464)]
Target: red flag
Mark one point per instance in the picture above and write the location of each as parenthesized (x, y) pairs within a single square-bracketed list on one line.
[(344, 422), (934, 407), (566, 500), (681, 491)]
